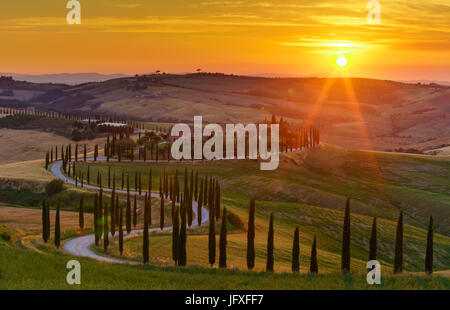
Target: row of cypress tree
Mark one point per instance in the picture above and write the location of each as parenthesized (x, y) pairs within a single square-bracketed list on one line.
[(209, 190), (345, 257)]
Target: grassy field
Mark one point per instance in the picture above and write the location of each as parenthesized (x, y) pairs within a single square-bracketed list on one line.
[(24, 269), (379, 184)]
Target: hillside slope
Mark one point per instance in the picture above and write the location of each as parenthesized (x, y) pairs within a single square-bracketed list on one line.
[(357, 113)]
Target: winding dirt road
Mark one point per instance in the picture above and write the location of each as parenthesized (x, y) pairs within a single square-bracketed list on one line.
[(81, 246)]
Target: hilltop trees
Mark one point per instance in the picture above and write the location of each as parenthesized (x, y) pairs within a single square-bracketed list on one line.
[(251, 236), (345, 259), (429, 252), (269, 263), (296, 251), (398, 259)]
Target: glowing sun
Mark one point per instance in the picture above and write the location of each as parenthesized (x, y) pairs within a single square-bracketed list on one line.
[(342, 61)]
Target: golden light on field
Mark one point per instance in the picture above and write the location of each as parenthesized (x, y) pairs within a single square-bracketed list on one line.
[(341, 61)]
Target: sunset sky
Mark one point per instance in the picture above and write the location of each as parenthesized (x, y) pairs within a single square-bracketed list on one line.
[(302, 37)]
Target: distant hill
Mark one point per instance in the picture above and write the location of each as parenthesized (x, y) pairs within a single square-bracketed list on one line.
[(352, 112), (64, 78)]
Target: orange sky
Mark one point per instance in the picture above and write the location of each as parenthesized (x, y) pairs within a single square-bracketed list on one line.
[(302, 37)]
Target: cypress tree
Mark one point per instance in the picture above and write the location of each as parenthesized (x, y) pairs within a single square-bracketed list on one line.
[(88, 177), (175, 233), (128, 211), (145, 250), (46, 161), (95, 152), (212, 238), (85, 153), (105, 228), (182, 239), (429, 252), (313, 268), (223, 241), (81, 213), (161, 214), (76, 152), (135, 211), (120, 229), (251, 236), (345, 259), (269, 264), (398, 259), (57, 228), (373, 241), (123, 180), (296, 251)]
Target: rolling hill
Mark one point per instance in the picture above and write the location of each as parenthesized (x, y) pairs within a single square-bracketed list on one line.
[(358, 113)]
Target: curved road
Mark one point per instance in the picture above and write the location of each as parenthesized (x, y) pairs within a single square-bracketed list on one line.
[(81, 246)]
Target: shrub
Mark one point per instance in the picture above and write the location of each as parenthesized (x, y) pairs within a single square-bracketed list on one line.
[(5, 234), (54, 187)]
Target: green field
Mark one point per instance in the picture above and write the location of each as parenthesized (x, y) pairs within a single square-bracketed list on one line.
[(24, 269)]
